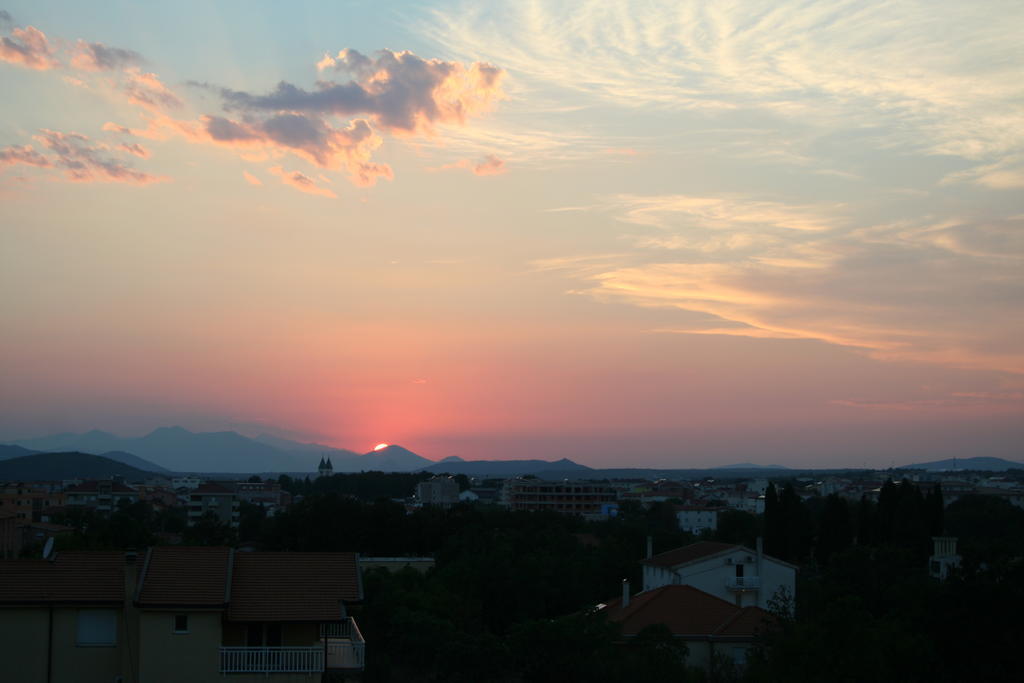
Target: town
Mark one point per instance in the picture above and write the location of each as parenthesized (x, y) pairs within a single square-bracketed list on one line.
[(518, 578)]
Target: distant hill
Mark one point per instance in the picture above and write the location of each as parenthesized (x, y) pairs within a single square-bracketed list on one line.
[(135, 461), (13, 452), (507, 468), (986, 463), (390, 459), (179, 450), (74, 465), (176, 449), (749, 466)]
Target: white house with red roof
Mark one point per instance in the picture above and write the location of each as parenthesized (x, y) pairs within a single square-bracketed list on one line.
[(736, 573)]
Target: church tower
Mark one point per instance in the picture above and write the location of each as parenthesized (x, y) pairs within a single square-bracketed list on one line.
[(326, 469)]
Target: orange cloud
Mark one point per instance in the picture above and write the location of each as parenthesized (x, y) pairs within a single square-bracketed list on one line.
[(301, 182), (11, 156), (87, 162), (251, 179), (28, 47), (489, 165), (135, 148), (400, 92), (146, 90)]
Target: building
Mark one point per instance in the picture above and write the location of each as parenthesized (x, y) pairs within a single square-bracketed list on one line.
[(441, 490), (29, 501), (710, 627), (944, 558), (214, 498), (696, 519), (326, 469), (265, 493), (102, 495), (10, 539), (179, 614), (733, 573), (578, 498)]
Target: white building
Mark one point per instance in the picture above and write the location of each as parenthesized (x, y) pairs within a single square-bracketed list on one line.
[(743, 576), (697, 519), (944, 558), (439, 490)]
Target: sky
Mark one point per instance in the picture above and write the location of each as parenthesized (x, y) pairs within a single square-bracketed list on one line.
[(671, 234)]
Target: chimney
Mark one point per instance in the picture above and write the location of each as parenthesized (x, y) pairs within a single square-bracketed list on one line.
[(650, 547), (625, 593)]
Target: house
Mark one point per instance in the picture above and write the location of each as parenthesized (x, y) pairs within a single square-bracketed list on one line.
[(10, 538), (439, 490), (696, 519), (944, 559), (588, 499), (731, 572), (710, 627), (179, 614), (215, 498), (101, 495)]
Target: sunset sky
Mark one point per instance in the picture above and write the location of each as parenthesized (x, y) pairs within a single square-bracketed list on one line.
[(628, 233)]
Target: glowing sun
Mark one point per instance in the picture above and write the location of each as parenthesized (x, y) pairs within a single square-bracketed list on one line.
[(380, 446)]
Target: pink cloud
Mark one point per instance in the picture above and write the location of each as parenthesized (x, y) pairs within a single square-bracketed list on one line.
[(135, 148), (10, 156), (489, 165), (87, 162), (100, 57), (399, 92), (28, 47), (251, 179), (301, 182), (146, 90)]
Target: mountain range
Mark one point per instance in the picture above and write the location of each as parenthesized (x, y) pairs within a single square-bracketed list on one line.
[(176, 449), (58, 466), (985, 463)]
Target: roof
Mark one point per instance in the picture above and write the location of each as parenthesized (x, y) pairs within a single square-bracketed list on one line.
[(93, 577), (185, 575), (687, 612), (293, 586), (211, 487), (690, 553), (702, 550), (94, 485)]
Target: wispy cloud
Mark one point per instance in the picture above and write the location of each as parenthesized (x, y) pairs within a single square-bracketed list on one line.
[(834, 65), (301, 182), (251, 179), (85, 161), (489, 165), (932, 292), (99, 57), (28, 47)]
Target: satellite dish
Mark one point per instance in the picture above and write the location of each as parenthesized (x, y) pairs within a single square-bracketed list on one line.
[(48, 548)]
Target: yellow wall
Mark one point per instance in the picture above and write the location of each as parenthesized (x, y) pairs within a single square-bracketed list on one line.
[(84, 664), (166, 656), (23, 634)]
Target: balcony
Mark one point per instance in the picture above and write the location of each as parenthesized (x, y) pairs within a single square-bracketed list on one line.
[(265, 660), (743, 583), (344, 644)]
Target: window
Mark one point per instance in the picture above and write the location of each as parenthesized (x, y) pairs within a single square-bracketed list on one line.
[(181, 623), (97, 627)]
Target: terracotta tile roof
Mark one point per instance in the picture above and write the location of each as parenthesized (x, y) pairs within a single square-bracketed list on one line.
[(689, 553), (211, 488), (93, 486), (79, 577), (293, 586), (687, 612), (183, 575)]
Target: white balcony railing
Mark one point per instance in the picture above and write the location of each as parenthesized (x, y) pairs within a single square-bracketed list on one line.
[(271, 659), (344, 643), (743, 583)]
